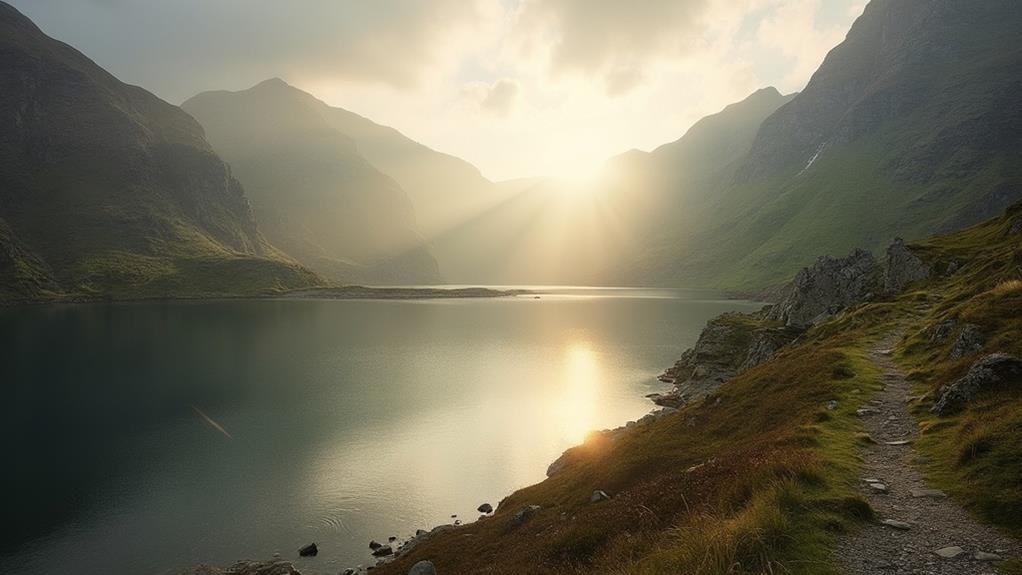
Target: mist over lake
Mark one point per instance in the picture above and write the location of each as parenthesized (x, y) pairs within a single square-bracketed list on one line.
[(329, 421)]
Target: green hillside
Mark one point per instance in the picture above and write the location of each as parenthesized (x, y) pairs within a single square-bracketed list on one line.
[(314, 195), (107, 191), (913, 125), (763, 474)]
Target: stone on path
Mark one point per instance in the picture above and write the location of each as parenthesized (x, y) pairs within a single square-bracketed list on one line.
[(899, 442), (949, 552), (878, 487), (901, 525), (598, 495), (985, 556), (935, 493)]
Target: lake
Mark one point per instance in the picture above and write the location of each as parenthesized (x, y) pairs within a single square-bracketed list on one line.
[(147, 437)]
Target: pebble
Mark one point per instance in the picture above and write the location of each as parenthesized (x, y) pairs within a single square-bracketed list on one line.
[(985, 556), (878, 487), (897, 525), (949, 552), (928, 493)]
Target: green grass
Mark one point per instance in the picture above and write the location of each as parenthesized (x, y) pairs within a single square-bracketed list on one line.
[(760, 477), (776, 483), (975, 455)]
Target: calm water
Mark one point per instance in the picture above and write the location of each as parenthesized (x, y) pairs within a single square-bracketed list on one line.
[(342, 421)]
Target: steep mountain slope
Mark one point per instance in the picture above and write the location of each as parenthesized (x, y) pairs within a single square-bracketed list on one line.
[(445, 190), (912, 125), (675, 182), (106, 190), (553, 232), (315, 196)]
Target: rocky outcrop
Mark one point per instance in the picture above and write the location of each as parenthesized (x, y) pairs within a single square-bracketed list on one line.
[(728, 345), (247, 568), (903, 267), (990, 371), (969, 340), (827, 287), (524, 514), (832, 285)]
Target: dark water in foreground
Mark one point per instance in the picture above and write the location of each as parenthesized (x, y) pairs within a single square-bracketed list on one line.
[(342, 420)]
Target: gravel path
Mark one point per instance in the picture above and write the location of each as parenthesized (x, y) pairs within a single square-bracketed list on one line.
[(928, 524)]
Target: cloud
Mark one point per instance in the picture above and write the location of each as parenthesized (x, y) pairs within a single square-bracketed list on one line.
[(610, 39), (178, 48), (518, 87), (499, 98)]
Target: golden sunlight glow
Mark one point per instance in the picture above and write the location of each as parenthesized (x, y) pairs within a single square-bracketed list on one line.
[(582, 380), (581, 179)]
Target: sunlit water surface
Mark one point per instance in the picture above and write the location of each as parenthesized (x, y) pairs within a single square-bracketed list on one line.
[(341, 421)]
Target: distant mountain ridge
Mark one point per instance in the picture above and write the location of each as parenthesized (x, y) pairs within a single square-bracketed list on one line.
[(313, 192), (108, 191), (912, 125), (613, 233)]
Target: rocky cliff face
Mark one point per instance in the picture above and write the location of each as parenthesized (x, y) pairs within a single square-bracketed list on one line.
[(827, 287), (903, 267), (728, 345), (834, 284), (733, 343)]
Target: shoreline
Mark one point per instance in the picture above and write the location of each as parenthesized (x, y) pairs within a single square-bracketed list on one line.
[(324, 293)]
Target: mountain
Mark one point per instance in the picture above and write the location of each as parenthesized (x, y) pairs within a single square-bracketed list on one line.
[(108, 191), (614, 232), (912, 125), (445, 190), (313, 193)]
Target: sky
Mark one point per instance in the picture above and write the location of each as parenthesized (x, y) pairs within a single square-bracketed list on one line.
[(520, 88)]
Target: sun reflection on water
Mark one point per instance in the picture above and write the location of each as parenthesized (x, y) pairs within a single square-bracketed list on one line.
[(576, 405)]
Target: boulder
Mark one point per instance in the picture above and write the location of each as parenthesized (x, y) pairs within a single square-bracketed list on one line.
[(524, 514), (309, 550), (485, 508), (383, 551), (374, 545), (989, 371), (903, 267), (422, 568), (970, 340)]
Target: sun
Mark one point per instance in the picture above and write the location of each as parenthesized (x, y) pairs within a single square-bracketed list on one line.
[(581, 179)]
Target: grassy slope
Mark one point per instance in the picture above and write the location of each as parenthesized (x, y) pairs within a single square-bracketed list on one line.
[(107, 191), (976, 455), (921, 135), (779, 470)]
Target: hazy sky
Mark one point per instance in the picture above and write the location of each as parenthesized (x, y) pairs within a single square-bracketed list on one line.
[(518, 87)]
